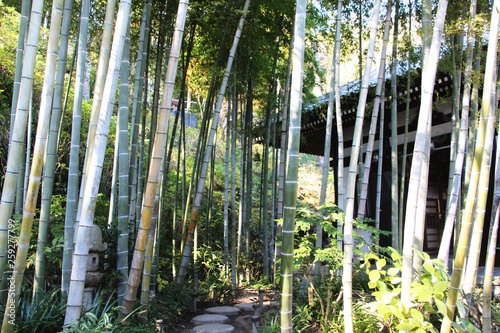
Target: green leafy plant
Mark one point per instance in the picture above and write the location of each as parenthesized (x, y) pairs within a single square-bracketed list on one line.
[(103, 316), (427, 293), (319, 300), (99, 318), (270, 322), (172, 302), (303, 318), (215, 279), (46, 315)]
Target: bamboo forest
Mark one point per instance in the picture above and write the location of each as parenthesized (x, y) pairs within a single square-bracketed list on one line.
[(324, 166)]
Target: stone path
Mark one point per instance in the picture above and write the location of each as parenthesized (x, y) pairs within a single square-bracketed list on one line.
[(215, 320), (240, 318)]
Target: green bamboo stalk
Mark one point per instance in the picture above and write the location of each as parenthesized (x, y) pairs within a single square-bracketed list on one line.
[(340, 131), (143, 92), (492, 245), (328, 140), (428, 78), (454, 193), (121, 147), (249, 172), (37, 162), (156, 95), (242, 206), (148, 258), (282, 155), (95, 165), (226, 194), (292, 169), (188, 246), (380, 160), (421, 195), (374, 118), (51, 154), (16, 149), (265, 165), (233, 189), (395, 239), (135, 161), (405, 142), (485, 132), (23, 29), (351, 181), (156, 164), (74, 157)]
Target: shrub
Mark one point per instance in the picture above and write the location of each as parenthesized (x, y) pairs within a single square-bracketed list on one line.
[(428, 292)]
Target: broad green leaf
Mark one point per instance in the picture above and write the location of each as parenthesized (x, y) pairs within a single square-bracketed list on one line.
[(397, 312), (381, 263), (417, 315), (405, 326), (457, 327), (422, 293), (393, 271), (382, 309), (387, 297), (429, 267), (396, 280), (441, 306), (374, 276), (440, 286), (395, 255)]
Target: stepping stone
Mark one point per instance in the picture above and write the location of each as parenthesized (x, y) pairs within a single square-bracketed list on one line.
[(252, 306), (209, 319), (223, 310), (213, 328), (246, 306)]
